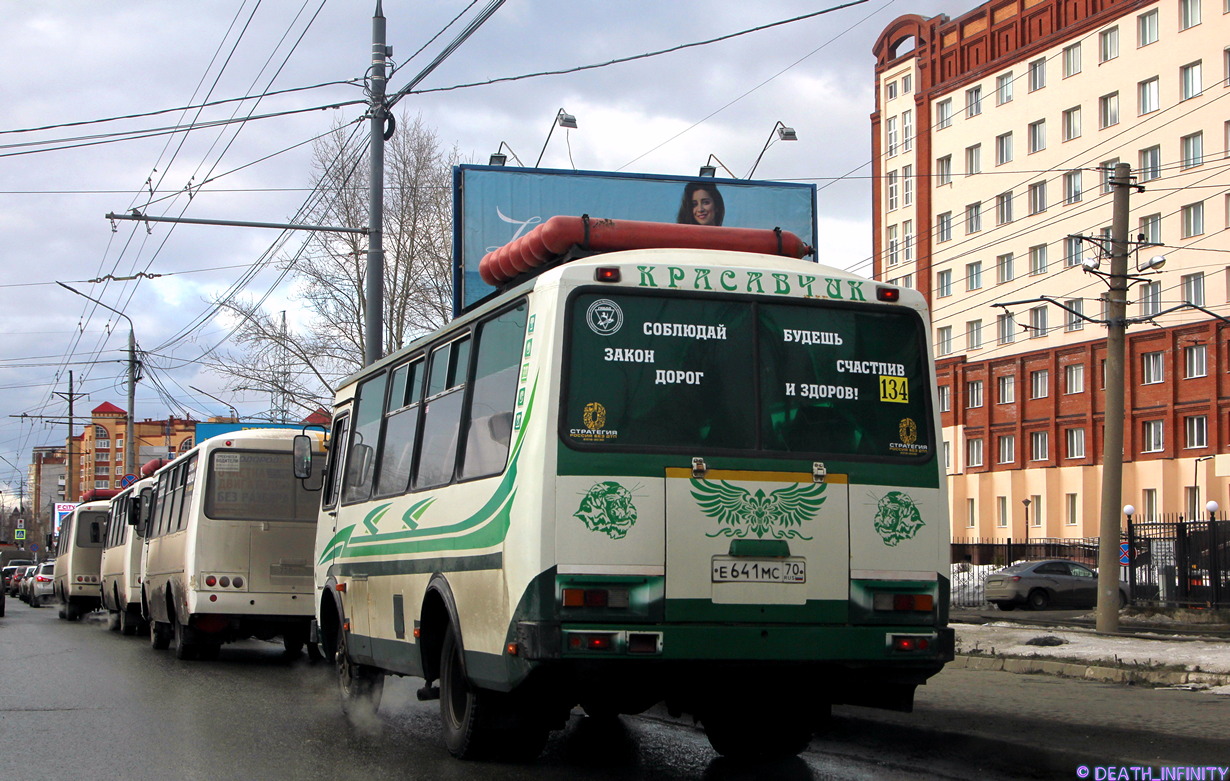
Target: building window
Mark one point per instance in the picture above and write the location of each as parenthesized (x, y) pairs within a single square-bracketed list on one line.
[(1004, 268), (1071, 251), (892, 196), (943, 227), (1072, 60), (947, 456), (1003, 149), (1150, 164), (973, 452), (1152, 368), (1037, 322), (1108, 44), (894, 256), (907, 84), (973, 217), (1195, 361), (973, 394), (1074, 438), (943, 114), (1036, 501), (1152, 439), (907, 185), (945, 398), (907, 130), (973, 159), (1148, 93), (1071, 507), (1074, 378), (890, 134), (1037, 74), (1146, 28), (1003, 208), (1151, 228), (1193, 219), (1107, 168), (973, 101), (1196, 431), (1148, 504), (1003, 89), (1150, 298), (1072, 317), (1193, 288), (1072, 193), (1108, 110), (1037, 257), (1007, 449), (943, 340), (973, 335), (1189, 81), (1192, 149), (971, 517), (1037, 197), (1039, 384), (1006, 389), (943, 171), (890, 90), (973, 275), (1072, 123), (1037, 136), (1039, 446), (943, 283), (907, 239), (1005, 326), (1189, 13)]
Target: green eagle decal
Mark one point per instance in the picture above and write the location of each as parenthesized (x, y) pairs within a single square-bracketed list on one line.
[(779, 515)]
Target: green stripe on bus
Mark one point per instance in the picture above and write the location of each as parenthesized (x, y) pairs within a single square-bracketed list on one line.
[(421, 566)]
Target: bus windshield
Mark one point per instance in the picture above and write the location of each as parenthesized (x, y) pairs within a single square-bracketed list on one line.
[(663, 372), (258, 486)]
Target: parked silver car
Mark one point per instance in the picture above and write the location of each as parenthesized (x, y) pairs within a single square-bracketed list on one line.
[(1047, 583), (42, 585)]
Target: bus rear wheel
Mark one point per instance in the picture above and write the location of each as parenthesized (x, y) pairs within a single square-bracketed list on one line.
[(184, 638), (479, 723), (360, 685), (159, 635), (128, 623)]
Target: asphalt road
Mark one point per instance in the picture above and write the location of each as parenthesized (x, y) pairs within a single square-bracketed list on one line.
[(79, 702)]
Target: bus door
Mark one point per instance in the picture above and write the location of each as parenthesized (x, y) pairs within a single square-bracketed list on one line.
[(756, 546)]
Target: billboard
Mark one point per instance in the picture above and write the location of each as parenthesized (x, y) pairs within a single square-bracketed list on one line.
[(206, 430), (492, 205), (62, 511)]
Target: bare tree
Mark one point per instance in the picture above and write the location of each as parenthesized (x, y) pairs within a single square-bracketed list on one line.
[(329, 271)]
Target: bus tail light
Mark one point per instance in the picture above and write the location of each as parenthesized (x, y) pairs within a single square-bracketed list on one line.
[(617, 598), (606, 274), (211, 581), (911, 643), (888, 294), (922, 603), (591, 641)]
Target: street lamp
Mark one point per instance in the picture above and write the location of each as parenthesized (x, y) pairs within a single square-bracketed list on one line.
[(1212, 508), (1196, 482), (1026, 503), (499, 158), (564, 120), (709, 169), (130, 444), (783, 133)]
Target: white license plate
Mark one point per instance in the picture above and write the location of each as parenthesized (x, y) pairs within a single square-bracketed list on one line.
[(731, 569)]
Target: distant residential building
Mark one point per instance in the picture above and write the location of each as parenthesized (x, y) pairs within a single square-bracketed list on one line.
[(1056, 93)]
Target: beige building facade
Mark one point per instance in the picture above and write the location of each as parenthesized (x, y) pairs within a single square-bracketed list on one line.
[(994, 136)]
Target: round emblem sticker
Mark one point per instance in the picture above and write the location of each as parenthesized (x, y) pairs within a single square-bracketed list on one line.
[(604, 317)]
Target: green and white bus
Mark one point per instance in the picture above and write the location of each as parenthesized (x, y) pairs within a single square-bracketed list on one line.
[(703, 477)]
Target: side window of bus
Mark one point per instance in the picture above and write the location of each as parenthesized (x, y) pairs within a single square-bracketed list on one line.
[(361, 459), (337, 452), (446, 376), (186, 500), (159, 525), (66, 534), (174, 497), (493, 395), (400, 426)]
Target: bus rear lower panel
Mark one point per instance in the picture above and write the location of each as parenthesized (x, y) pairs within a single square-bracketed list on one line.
[(629, 669)]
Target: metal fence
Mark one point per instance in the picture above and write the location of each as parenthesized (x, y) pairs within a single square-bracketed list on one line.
[(1168, 563)]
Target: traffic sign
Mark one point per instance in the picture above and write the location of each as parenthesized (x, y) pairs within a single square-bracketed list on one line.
[(21, 523), (127, 480), (34, 547), (19, 534), (1124, 554)]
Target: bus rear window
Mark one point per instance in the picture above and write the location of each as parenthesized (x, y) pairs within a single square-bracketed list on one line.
[(807, 377), (258, 486)]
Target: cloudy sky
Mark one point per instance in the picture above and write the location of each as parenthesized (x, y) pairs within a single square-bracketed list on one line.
[(77, 61)]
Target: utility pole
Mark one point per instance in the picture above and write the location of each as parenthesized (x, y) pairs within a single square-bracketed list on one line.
[(1112, 450), (373, 347), (69, 488)]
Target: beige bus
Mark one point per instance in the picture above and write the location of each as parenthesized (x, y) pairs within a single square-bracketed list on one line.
[(228, 546), (78, 556), (121, 556)]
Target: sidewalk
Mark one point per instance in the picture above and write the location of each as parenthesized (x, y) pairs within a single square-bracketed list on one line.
[(1153, 654)]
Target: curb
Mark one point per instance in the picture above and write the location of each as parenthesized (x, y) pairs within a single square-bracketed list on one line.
[(1090, 672)]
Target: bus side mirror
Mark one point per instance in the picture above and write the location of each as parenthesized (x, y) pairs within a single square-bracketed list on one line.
[(301, 455)]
